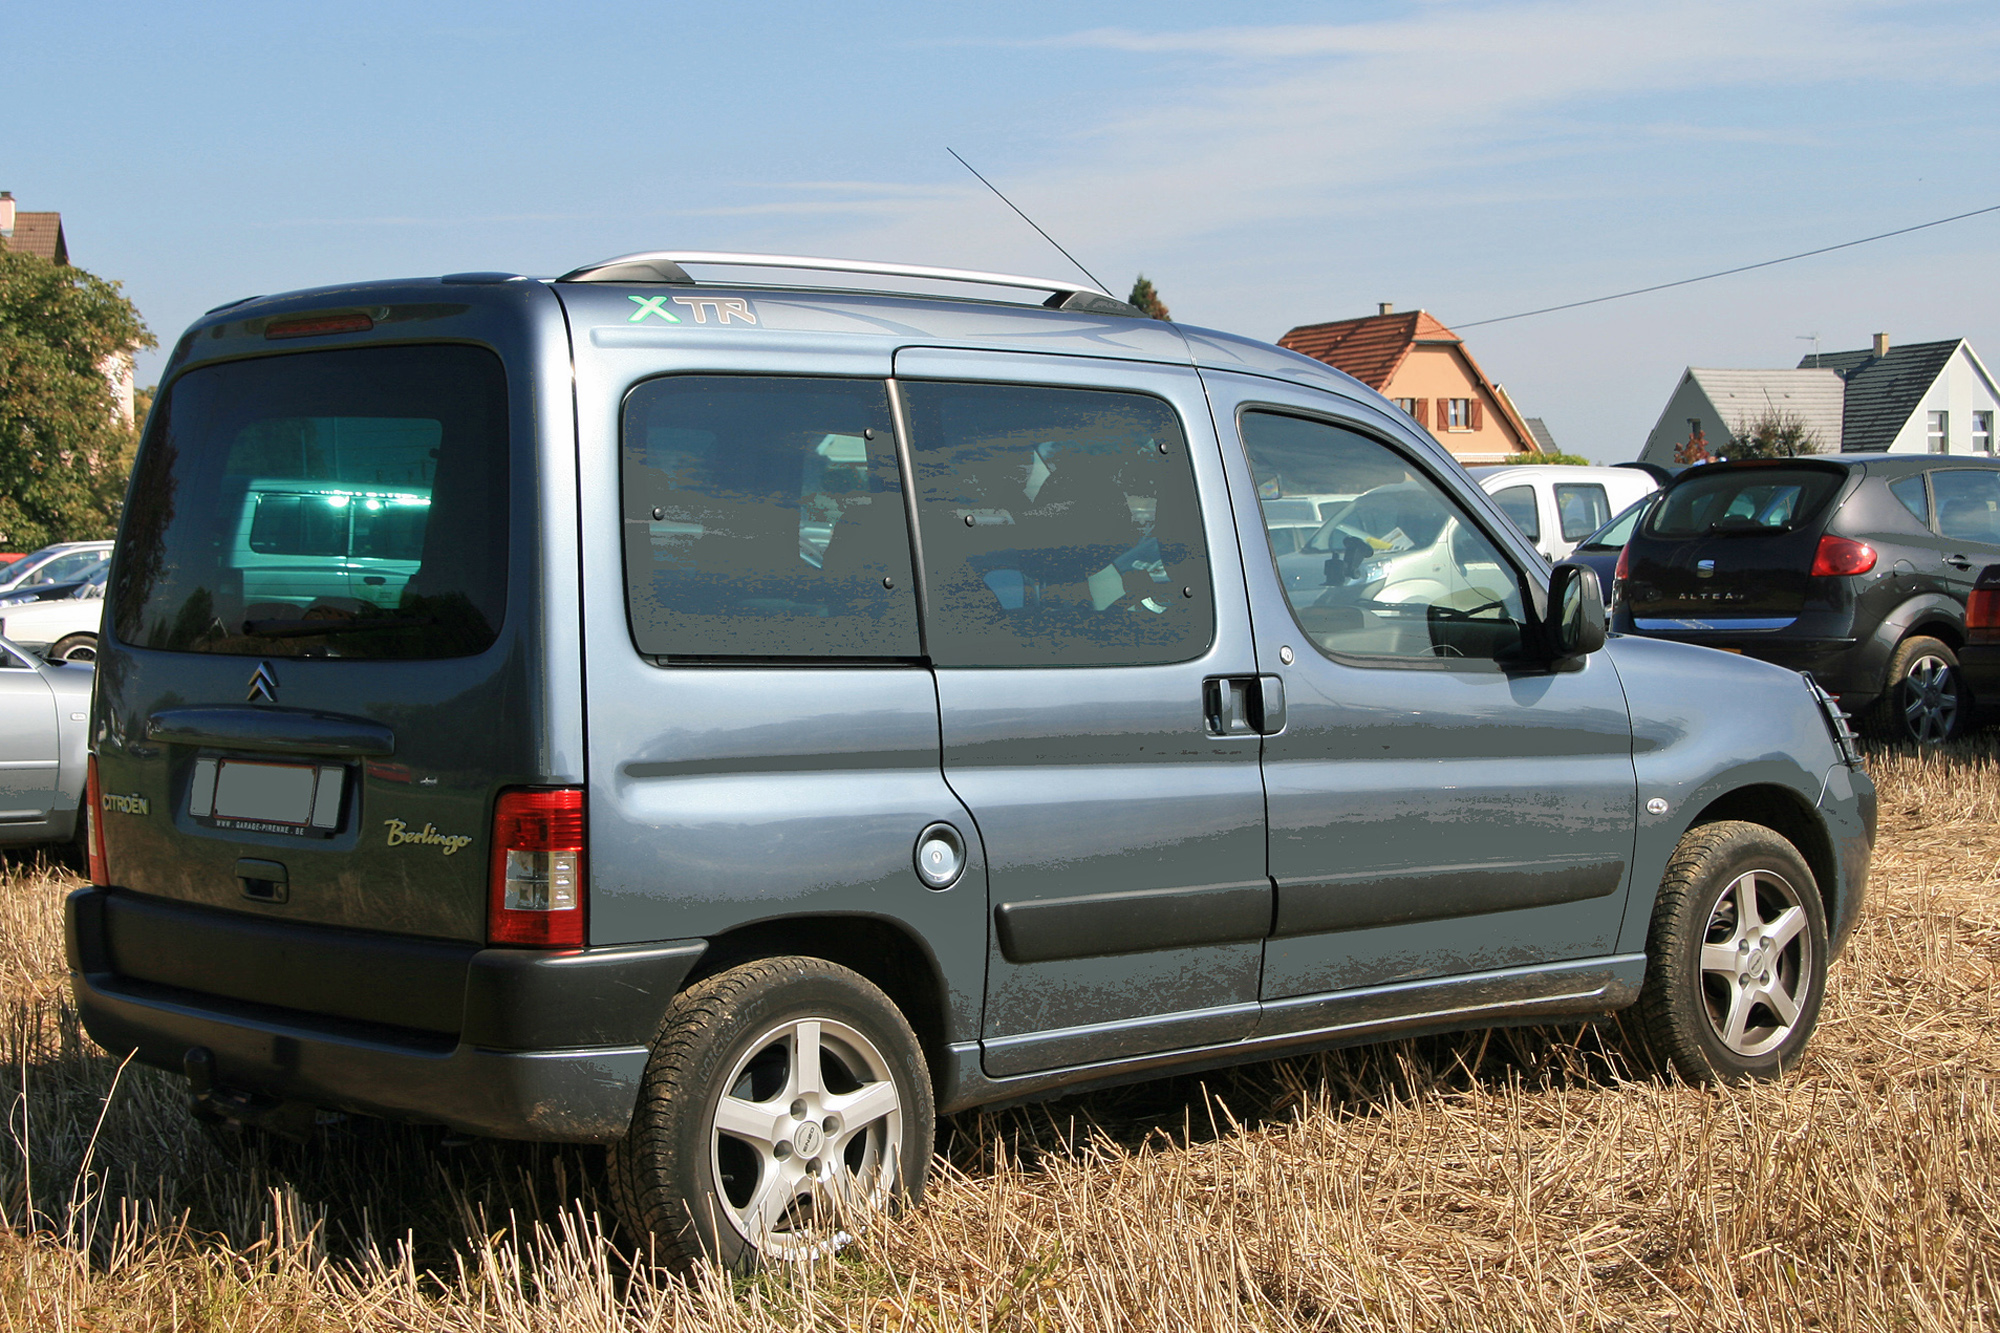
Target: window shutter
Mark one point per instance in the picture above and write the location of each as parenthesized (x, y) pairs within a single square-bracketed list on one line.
[(1420, 408), (1444, 414), (1478, 415)]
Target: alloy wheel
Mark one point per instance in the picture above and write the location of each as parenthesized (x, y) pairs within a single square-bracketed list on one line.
[(1756, 961), (1930, 700), (807, 1132)]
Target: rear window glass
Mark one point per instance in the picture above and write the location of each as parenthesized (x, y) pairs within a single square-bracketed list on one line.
[(764, 518), (1518, 504), (1060, 527), (347, 503), (1583, 508), (1751, 499)]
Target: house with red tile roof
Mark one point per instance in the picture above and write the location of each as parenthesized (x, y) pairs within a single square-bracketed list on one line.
[(41, 235), (1413, 359)]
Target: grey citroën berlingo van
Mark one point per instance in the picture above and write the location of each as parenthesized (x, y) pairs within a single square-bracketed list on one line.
[(735, 722)]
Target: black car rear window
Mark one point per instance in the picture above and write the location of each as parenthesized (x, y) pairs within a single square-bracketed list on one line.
[(1751, 499), (346, 503)]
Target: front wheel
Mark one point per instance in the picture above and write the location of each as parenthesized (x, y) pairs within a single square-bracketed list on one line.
[(786, 1101), (1737, 956), (1925, 702)]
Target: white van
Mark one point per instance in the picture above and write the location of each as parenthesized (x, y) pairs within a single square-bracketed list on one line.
[(1557, 505)]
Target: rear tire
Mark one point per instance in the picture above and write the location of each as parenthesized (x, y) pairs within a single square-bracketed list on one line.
[(744, 1153), (1736, 958), (1924, 700), (74, 648)]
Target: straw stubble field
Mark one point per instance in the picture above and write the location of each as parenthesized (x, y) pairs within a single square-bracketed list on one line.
[(1514, 1179)]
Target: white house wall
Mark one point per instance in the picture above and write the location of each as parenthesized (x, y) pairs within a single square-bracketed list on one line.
[(1689, 402), (1961, 388)]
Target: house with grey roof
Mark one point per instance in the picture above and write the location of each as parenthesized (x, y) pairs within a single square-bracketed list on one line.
[(1934, 397), (1710, 404)]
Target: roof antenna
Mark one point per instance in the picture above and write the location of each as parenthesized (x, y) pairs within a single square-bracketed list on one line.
[(1030, 221), (1813, 338)]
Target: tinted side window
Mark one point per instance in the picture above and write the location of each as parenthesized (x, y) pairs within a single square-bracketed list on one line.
[(1583, 507), (764, 518), (1968, 504), (1910, 490), (1397, 571), (1060, 527), (1518, 504)]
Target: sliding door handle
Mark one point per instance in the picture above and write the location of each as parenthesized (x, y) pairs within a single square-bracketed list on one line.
[(1267, 705), (1243, 705)]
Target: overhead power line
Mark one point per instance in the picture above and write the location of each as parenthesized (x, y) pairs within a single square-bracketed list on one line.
[(1744, 268)]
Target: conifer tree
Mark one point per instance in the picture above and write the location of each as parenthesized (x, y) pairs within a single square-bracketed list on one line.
[(1148, 300)]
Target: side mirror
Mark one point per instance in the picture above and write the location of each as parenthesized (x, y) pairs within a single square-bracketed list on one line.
[(1575, 625)]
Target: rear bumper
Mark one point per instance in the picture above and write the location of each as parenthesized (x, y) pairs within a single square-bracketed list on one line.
[(549, 1045)]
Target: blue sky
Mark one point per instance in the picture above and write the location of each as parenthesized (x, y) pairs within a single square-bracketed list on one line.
[(1298, 163)]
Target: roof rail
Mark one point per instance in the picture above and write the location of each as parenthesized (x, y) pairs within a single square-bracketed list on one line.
[(666, 266)]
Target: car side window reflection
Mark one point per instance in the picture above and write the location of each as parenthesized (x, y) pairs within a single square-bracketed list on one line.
[(1397, 569), (1968, 504)]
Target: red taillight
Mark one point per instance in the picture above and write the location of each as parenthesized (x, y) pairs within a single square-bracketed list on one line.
[(93, 795), (537, 887), (316, 325), (1842, 555), (1982, 614), (1624, 563)]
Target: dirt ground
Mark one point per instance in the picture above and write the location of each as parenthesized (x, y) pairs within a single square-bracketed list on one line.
[(1530, 1179)]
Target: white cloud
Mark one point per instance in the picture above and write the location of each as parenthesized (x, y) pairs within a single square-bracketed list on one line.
[(1256, 126)]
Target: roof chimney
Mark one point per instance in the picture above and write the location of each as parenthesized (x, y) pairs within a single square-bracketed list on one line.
[(1881, 344), (6, 213), (1385, 307)]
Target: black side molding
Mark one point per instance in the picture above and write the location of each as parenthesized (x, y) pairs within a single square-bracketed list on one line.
[(1344, 902), (1097, 924), (283, 730)]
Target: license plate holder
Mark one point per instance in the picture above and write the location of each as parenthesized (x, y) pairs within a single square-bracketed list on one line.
[(297, 800)]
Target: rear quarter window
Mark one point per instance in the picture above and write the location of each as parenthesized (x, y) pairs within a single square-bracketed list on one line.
[(764, 518), (348, 503)]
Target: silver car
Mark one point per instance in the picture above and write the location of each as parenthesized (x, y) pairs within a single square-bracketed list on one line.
[(44, 719)]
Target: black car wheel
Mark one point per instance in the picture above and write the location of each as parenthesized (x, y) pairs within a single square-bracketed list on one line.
[(74, 648), (1926, 701)]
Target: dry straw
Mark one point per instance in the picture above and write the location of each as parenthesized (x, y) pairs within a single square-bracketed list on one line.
[(1524, 1179)]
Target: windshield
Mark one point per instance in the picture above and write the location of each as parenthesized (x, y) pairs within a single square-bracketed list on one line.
[(349, 503), (1742, 499), (1613, 535)]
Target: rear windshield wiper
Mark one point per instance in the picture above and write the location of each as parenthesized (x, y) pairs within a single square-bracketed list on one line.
[(304, 629)]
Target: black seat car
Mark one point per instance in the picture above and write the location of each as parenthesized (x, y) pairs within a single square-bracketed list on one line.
[(1855, 567)]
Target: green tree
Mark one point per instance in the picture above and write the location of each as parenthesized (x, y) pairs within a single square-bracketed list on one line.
[(1772, 433), (1148, 300), (1550, 458), (64, 451)]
